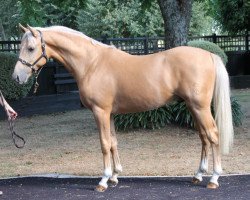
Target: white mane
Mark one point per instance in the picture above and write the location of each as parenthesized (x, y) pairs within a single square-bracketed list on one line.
[(69, 30)]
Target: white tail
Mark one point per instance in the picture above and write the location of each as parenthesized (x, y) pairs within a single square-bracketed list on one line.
[(222, 106)]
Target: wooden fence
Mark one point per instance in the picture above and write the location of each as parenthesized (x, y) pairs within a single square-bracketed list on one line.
[(54, 79), (147, 45)]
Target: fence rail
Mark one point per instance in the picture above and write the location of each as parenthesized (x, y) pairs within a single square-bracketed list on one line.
[(148, 45), (10, 46), (228, 43)]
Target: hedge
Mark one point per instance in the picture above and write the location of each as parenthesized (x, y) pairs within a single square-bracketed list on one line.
[(211, 47), (9, 88)]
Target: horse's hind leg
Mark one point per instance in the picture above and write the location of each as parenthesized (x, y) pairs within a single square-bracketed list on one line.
[(114, 151), (217, 170), (208, 132), (203, 168)]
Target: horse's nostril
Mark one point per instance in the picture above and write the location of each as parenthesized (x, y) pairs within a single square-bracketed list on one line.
[(17, 78)]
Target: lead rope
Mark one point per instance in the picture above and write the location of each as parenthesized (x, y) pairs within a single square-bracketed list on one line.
[(36, 83), (11, 127)]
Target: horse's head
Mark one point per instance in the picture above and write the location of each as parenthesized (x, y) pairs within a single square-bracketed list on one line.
[(32, 54)]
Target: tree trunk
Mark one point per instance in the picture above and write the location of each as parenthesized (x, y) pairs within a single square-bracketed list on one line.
[(176, 15)]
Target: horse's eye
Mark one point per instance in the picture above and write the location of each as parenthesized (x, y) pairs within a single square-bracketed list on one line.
[(30, 49)]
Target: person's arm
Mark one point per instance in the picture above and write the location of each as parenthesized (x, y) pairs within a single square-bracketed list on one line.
[(10, 111), (1, 101)]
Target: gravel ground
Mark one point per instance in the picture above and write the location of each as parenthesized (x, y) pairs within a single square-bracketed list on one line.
[(68, 143)]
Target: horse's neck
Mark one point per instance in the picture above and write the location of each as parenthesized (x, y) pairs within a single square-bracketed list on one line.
[(73, 52)]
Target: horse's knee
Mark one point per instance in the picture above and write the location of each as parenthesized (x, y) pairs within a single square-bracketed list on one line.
[(113, 148), (106, 147)]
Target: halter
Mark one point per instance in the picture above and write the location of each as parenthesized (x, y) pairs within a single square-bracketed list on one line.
[(31, 66)]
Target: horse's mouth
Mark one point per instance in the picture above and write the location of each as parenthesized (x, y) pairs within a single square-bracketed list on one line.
[(18, 80)]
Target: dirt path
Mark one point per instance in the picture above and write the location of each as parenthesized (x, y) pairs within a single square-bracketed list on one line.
[(68, 143)]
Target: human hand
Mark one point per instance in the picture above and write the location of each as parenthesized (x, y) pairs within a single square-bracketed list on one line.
[(11, 113)]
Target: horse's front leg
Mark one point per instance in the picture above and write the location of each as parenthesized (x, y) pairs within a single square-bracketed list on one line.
[(113, 181), (102, 118)]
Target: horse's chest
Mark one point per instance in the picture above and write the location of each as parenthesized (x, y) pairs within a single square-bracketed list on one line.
[(91, 96), (86, 97)]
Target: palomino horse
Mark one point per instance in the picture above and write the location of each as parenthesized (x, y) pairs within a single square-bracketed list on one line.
[(111, 81)]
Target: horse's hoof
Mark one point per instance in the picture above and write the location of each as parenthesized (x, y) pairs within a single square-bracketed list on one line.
[(211, 185), (112, 183), (100, 188), (195, 180)]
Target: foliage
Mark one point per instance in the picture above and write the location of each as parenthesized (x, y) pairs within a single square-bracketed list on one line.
[(115, 18), (48, 12), (201, 23), (132, 18), (210, 46), (177, 112), (9, 17), (231, 15), (234, 15), (236, 112), (150, 119), (181, 114), (64, 12), (9, 88), (183, 117), (97, 18), (237, 20)]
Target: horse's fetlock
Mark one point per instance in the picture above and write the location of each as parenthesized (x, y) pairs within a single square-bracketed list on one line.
[(118, 169), (204, 170), (108, 172)]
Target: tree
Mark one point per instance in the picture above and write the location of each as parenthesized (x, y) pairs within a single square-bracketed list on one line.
[(48, 12), (9, 17), (233, 15), (176, 15), (65, 12), (201, 23), (116, 18)]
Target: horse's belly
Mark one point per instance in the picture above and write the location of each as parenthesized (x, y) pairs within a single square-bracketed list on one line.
[(140, 103)]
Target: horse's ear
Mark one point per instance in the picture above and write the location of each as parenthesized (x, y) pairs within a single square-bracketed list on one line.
[(32, 30), (23, 29)]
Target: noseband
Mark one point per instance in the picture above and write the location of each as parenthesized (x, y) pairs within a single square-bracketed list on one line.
[(43, 55), (31, 66)]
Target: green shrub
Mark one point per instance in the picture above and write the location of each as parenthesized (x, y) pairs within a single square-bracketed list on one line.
[(176, 112), (9, 88), (150, 119), (236, 112), (181, 114), (211, 47), (183, 117)]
